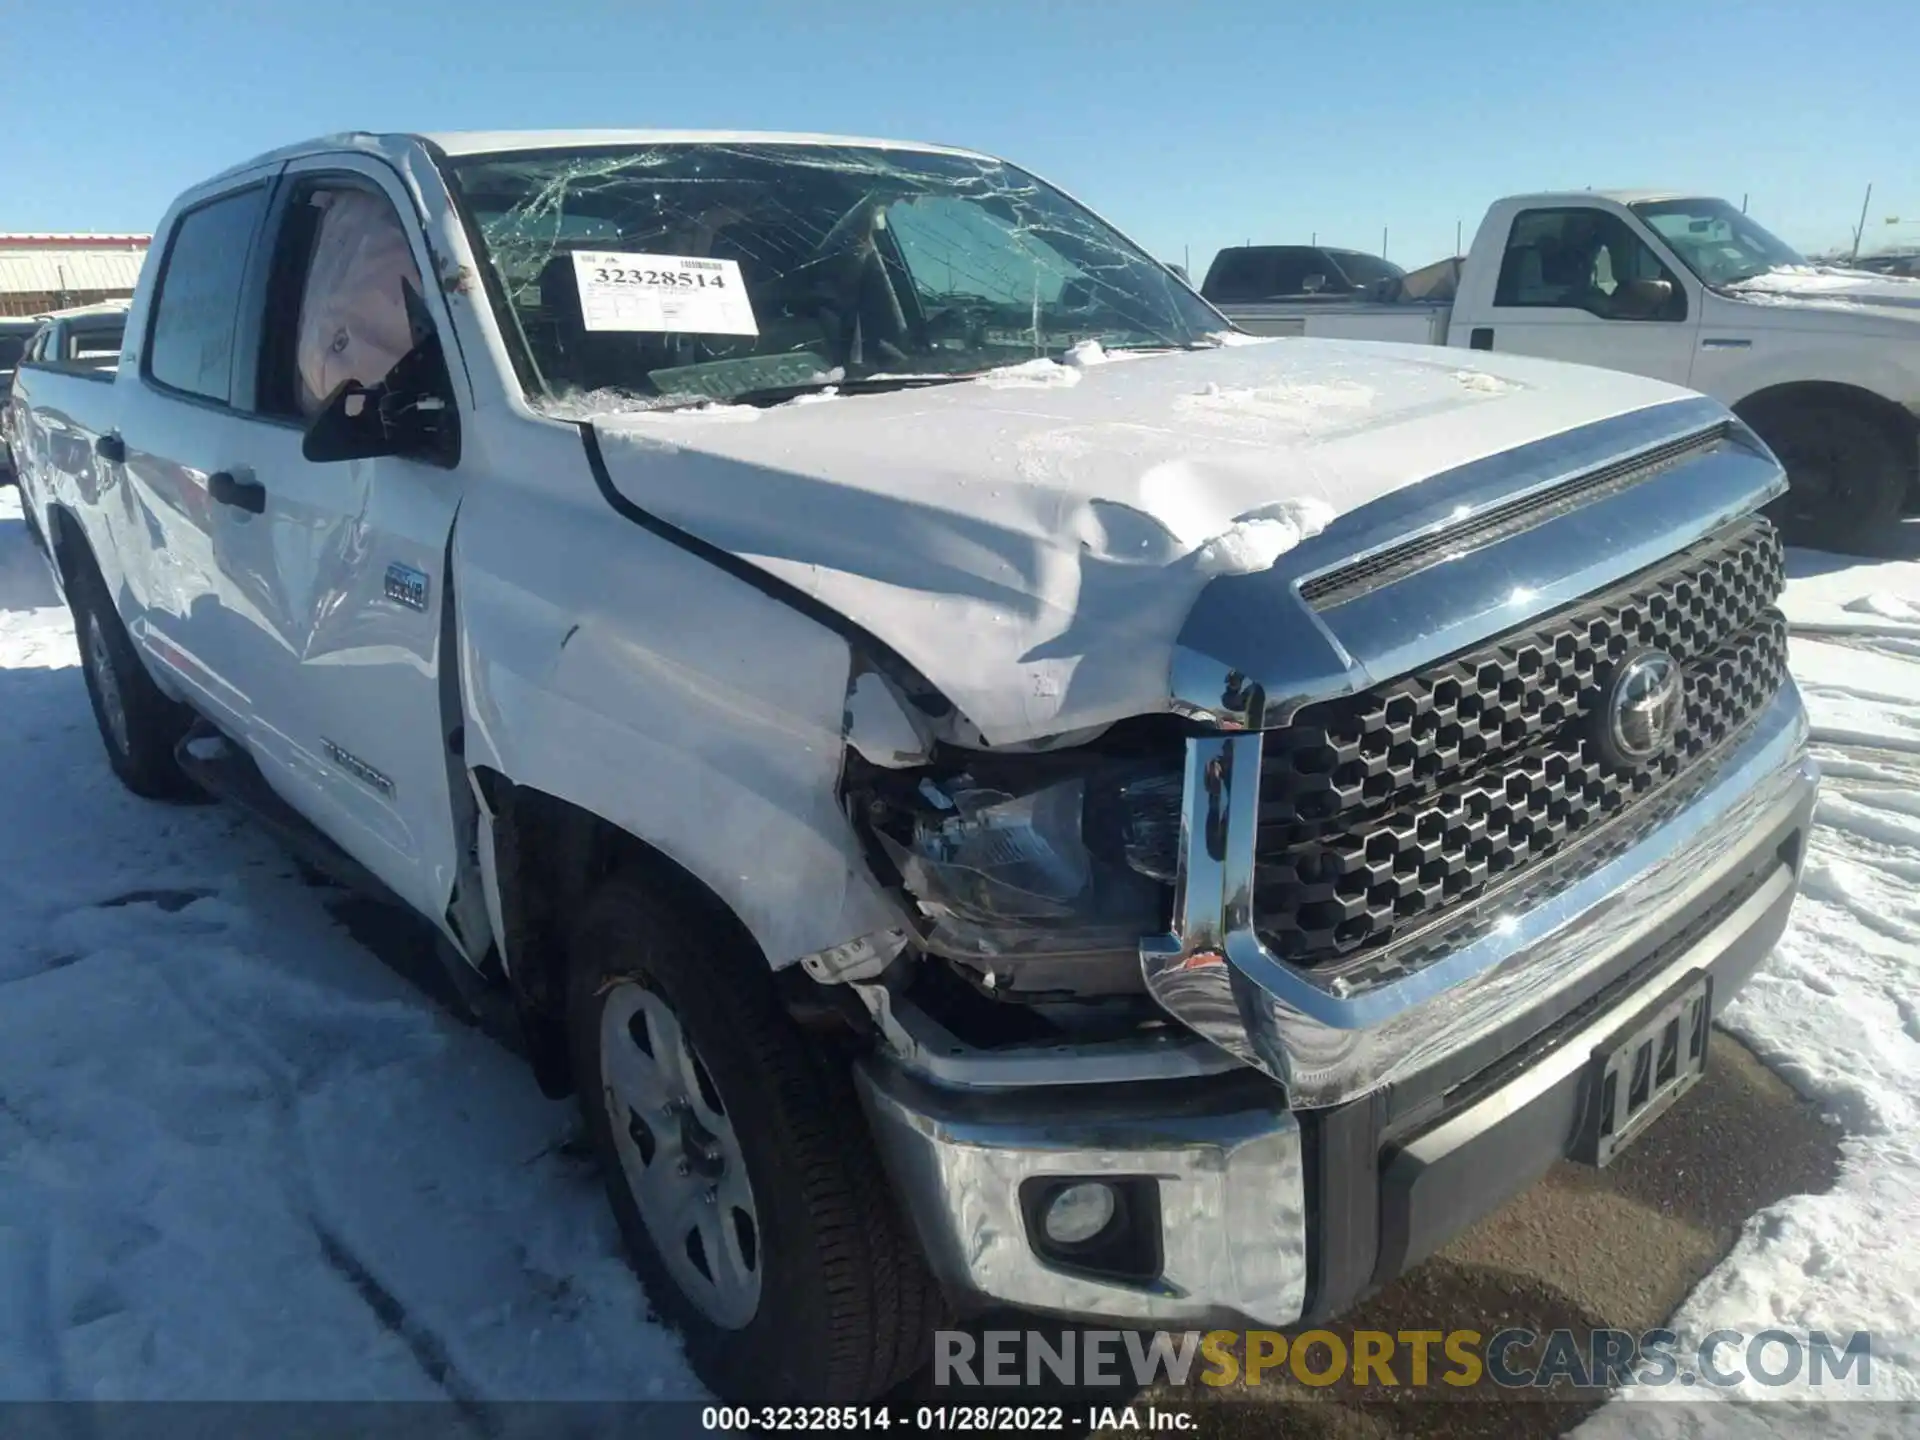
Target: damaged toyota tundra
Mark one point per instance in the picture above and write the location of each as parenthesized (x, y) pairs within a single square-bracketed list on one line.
[(993, 788)]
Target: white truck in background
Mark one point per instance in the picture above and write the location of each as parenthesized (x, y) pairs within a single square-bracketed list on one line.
[(84, 338), (1823, 363)]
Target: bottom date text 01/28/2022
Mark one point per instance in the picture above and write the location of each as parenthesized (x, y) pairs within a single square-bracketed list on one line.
[(975, 1419)]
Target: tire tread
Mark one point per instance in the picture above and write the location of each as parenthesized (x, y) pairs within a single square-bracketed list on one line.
[(871, 1319)]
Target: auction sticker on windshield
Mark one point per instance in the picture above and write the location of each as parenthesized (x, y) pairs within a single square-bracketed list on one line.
[(678, 294)]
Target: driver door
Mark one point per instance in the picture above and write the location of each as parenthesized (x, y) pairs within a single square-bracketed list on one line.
[(344, 564), (1572, 286)]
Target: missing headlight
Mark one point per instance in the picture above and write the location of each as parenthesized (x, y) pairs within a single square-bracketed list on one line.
[(1065, 863)]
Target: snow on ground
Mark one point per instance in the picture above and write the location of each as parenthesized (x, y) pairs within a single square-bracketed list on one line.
[(1836, 1012), (240, 1158)]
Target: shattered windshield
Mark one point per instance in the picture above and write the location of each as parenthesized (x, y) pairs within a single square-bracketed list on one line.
[(692, 272)]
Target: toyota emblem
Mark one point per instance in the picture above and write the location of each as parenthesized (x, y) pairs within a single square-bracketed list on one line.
[(1641, 708)]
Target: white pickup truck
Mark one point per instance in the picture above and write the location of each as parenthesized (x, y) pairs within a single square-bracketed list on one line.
[(991, 789), (1823, 363)]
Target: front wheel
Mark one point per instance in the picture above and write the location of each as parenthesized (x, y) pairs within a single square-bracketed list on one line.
[(1849, 477), (747, 1190)]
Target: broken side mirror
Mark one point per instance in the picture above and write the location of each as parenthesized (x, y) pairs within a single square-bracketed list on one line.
[(410, 413)]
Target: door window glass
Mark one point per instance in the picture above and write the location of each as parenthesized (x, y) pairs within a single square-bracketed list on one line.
[(1583, 259), (192, 338), (353, 322)]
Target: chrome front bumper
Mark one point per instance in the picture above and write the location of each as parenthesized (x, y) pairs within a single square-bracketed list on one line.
[(1225, 1157), (1327, 1040), (1229, 1153)]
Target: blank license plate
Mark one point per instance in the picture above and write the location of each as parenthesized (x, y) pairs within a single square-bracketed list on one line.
[(1654, 1064)]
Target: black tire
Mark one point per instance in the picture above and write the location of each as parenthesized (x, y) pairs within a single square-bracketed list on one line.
[(141, 738), (845, 1307), (33, 525), (1849, 475)]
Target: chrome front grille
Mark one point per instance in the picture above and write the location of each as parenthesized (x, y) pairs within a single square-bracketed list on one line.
[(1384, 811)]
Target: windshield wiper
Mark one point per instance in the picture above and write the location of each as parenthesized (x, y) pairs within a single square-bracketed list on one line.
[(1149, 345), (870, 385)]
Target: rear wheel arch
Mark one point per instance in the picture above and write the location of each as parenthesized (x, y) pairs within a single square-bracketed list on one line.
[(67, 543), (549, 857)]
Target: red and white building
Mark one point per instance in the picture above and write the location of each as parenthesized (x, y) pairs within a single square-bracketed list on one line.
[(53, 272)]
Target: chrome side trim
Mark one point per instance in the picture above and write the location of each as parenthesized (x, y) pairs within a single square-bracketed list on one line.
[(1327, 1040), (1252, 651), (1229, 1172), (356, 767)]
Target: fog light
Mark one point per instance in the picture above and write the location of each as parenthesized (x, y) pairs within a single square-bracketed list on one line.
[(1079, 1212)]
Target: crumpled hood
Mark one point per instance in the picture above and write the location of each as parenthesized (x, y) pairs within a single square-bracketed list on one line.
[(1031, 541), (1828, 288)]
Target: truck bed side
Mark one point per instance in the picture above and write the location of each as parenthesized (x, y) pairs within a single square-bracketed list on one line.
[(59, 414), (1411, 323)]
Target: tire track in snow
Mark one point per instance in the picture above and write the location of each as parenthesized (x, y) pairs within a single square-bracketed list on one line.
[(290, 1085), (425, 1346), (27, 1327)]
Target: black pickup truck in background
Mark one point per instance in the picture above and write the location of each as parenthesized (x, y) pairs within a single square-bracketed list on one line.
[(1270, 272)]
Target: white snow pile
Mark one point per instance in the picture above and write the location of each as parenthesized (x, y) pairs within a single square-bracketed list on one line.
[(1303, 406), (1258, 538), (1040, 374), (1481, 383)]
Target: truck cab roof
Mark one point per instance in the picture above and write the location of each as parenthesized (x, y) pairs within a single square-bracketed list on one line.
[(81, 312), (1618, 197), (484, 142)]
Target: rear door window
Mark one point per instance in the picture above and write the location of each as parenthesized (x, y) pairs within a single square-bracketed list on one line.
[(190, 348), (97, 348)]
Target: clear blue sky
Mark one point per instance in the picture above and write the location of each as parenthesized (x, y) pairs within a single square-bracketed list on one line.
[(1190, 124)]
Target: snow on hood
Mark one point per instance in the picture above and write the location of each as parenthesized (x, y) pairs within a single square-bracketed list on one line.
[(1032, 545), (1828, 287)]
